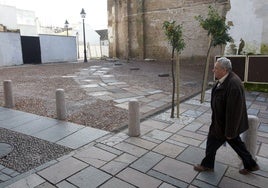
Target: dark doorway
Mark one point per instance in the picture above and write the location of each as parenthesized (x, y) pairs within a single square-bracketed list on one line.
[(257, 69), (31, 50)]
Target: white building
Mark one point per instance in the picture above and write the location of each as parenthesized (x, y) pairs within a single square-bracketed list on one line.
[(29, 25), (92, 40), (249, 21), (27, 22), (8, 17)]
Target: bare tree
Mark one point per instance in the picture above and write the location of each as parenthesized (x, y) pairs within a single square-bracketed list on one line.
[(174, 36)]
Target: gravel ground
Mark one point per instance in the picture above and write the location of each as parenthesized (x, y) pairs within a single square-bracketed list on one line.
[(34, 88), (28, 152)]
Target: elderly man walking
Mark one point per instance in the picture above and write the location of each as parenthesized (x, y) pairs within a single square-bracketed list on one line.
[(229, 118)]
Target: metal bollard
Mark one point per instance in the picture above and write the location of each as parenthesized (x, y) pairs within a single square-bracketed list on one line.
[(8, 94), (250, 136), (134, 118), (60, 104)]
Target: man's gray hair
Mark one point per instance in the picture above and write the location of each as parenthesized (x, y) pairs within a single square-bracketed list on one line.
[(225, 63)]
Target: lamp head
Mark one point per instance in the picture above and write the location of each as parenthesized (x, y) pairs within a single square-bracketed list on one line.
[(83, 13), (66, 24)]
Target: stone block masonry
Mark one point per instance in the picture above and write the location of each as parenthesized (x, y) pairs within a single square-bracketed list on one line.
[(136, 27)]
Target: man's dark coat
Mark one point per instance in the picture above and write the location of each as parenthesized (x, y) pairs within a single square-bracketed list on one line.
[(229, 111)]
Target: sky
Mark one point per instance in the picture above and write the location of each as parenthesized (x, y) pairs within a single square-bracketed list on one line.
[(55, 12)]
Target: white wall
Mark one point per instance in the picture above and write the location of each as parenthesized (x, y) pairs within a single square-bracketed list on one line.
[(8, 16), (92, 41), (28, 30), (10, 49), (92, 37), (248, 23), (27, 22), (24, 20), (57, 48)]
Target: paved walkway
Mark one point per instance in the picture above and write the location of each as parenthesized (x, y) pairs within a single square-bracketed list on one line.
[(163, 155), (98, 82)]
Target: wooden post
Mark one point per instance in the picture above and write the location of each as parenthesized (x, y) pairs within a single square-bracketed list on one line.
[(178, 84)]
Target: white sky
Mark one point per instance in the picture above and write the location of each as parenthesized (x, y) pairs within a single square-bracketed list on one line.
[(55, 12)]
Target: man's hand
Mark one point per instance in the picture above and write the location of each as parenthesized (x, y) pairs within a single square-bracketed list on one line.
[(229, 138)]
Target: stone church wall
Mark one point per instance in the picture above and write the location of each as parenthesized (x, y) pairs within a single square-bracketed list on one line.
[(135, 28)]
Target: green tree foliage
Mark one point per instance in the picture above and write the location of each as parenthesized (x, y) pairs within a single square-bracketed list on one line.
[(218, 34), (173, 33), (215, 25)]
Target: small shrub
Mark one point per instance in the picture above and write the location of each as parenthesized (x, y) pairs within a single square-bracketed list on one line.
[(260, 87)]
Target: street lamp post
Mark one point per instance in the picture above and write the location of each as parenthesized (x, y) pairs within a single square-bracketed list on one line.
[(77, 39), (83, 15), (66, 25)]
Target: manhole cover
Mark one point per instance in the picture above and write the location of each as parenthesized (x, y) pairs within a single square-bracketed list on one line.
[(5, 149)]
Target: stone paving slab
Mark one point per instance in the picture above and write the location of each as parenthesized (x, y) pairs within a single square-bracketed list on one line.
[(263, 162), (138, 179), (231, 183), (30, 181), (141, 143), (191, 134), (115, 139), (176, 169), (192, 155), (94, 156), (264, 150), (154, 124), (89, 178), (17, 119), (168, 179), (168, 149), (253, 179), (114, 167), (36, 126), (58, 131), (186, 140), (213, 177), (109, 149), (62, 170), (159, 135), (6, 113), (147, 161), (146, 109), (131, 149), (165, 185), (4, 177), (163, 156), (202, 184), (82, 137), (115, 182), (194, 126), (65, 184), (156, 104)]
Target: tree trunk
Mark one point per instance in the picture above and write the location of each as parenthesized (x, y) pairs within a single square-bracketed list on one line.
[(173, 84), (178, 84), (205, 78)]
